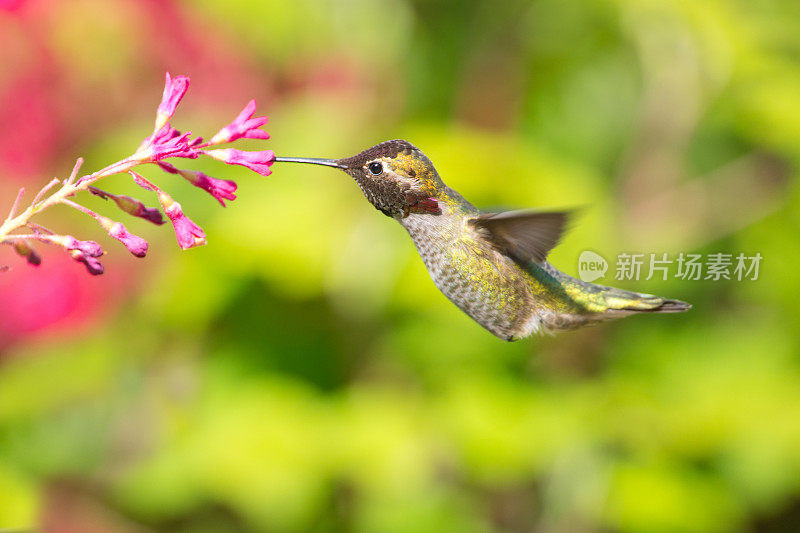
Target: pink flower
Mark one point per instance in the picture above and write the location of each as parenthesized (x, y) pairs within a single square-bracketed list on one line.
[(132, 206), (167, 142), (174, 89), (94, 266), (243, 126), (218, 188), (255, 161), (179, 146), (187, 232)]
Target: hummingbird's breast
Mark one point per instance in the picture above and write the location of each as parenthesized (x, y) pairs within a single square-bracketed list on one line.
[(487, 285)]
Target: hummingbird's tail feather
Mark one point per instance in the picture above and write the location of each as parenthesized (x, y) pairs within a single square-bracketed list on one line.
[(590, 303), (619, 302)]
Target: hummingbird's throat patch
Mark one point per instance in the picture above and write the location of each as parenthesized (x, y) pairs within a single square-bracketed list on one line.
[(425, 206)]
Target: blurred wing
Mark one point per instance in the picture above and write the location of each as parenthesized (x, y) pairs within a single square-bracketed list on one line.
[(525, 235)]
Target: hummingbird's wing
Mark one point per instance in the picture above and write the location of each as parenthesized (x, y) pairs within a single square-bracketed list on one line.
[(524, 235)]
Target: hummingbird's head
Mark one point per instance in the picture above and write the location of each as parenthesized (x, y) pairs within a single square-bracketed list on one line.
[(395, 176)]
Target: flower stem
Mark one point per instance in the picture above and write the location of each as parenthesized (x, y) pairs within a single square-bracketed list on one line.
[(44, 190), (74, 174), (15, 205), (69, 188)]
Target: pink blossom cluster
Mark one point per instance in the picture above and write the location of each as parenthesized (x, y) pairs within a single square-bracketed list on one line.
[(164, 143)]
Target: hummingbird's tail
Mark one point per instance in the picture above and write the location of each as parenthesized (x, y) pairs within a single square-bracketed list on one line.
[(589, 302), (618, 302)]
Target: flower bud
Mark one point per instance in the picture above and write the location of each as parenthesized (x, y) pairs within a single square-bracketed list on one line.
[(142, 182), (135, 244), (218, 188), (132, 206), (167, 167), (24, 249), (187, 232), (90, 248), (93, 266)]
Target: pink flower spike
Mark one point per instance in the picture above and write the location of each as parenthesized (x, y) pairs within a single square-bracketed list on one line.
[(255, 161), (94, 266), (174, 89), (187, 232), (243, 126), (218, 188)]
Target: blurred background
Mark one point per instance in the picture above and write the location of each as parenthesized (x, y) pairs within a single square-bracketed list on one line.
[(302, 373)]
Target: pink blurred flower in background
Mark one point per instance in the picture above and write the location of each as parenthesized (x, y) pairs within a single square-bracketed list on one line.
[(11, 5), (54, 298), (30, 126)]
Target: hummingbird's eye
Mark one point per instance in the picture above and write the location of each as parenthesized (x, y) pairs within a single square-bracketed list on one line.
[(375, 168)]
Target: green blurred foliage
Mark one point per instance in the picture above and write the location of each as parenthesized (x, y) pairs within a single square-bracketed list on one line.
[(302, 373)]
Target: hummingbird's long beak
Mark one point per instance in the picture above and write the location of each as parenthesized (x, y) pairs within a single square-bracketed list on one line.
[(310, 160)]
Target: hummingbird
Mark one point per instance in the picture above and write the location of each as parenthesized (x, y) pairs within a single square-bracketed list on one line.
[(491, 265)]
